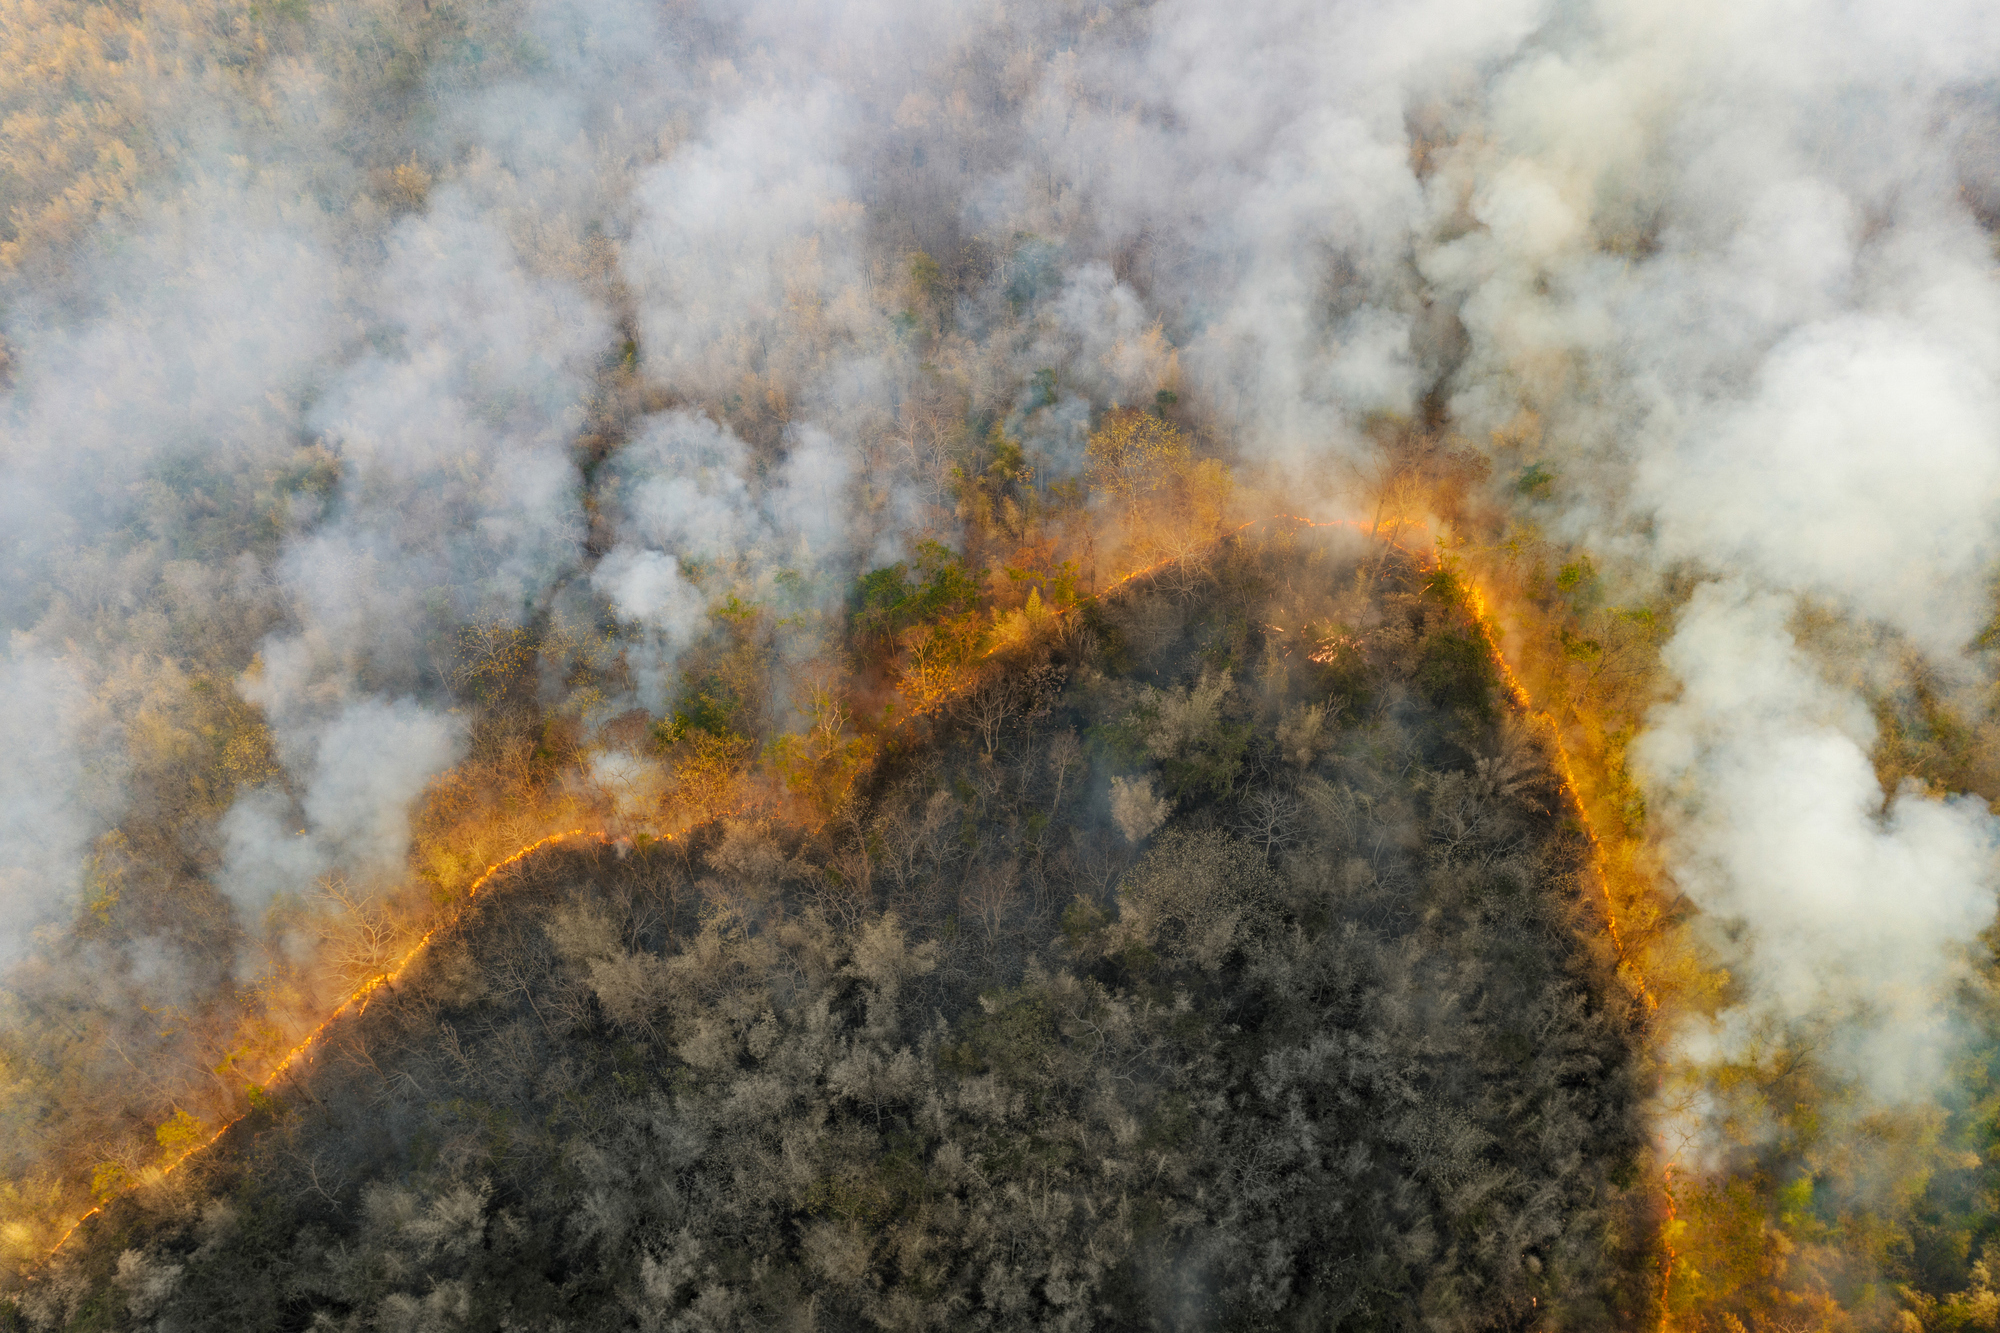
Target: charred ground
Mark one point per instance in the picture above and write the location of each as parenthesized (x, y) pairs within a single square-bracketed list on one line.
[(1225, 959)]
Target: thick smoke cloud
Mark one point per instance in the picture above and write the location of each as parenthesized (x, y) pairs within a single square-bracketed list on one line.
[(745, 230), (120, 427), (52, 795), (1851, 911), (1723, 266), (369, 763), (1863, 467), (457, 502)]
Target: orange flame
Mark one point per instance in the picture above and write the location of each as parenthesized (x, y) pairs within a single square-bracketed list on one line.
[(1357, 524), (1667, 1245), (1483, 616), (1516, 691)]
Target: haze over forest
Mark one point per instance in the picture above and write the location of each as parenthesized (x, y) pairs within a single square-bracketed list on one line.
[(684, 665)]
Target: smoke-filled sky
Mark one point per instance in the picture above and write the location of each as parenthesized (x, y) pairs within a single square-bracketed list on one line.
[(563, 309)]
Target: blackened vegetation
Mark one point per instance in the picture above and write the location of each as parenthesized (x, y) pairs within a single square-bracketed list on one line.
[(1240, 974)]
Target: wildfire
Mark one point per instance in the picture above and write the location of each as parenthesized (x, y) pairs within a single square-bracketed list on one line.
[(1165, 562), (1482, 614), (357, 1003), (1517, 692), (1477, 602), (1667, 1245), (1476, 599)]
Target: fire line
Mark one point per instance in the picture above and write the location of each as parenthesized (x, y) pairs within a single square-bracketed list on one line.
[(357, 1002), (1476, 600)]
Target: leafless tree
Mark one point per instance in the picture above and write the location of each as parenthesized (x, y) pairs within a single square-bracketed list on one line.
[(1270, 819), (988, 708), (1065, 754), (363, 942), (989, 895), (319, 1177), (456, 1050), (839, 898), (914, 844), (1187, 570)]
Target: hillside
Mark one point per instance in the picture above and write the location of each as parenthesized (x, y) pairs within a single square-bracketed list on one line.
[(1229, 959)]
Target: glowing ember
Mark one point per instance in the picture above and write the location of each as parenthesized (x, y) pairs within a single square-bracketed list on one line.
[(1667, 1245)]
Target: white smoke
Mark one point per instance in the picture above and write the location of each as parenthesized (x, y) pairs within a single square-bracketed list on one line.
[(263, 854), (741, 232), (368, 766), (636, 786), (1839, 905), (368, 763), (1721, 262), (59, 781)]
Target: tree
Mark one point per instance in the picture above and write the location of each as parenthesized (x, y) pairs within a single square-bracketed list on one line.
[(1065, 754), (938, 663), (1135, 808), (1132, 454), (1270, 819), (988, 707)]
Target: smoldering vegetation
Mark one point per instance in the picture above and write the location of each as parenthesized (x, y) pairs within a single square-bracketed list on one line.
[(1227, 960)]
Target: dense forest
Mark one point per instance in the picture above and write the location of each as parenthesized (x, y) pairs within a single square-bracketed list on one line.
[(1229, 958)]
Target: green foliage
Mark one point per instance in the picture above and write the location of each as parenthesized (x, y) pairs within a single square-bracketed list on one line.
[(709, 703), (1576, 647), (1121, 741), (892, 600), (733, 610), (1456, 671), (1081, 920), (1578, 582), (180, 1133), (1060, 584), (1442, 583)]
